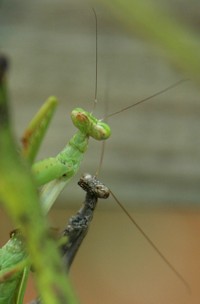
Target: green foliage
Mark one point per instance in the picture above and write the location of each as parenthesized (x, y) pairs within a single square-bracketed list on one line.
[(179, 42), (19, 197)]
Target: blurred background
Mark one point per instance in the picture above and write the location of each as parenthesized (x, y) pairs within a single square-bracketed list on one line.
[(151, 161)]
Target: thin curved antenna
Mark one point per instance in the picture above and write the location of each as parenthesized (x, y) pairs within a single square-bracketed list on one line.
[(101, 159), (96, 59), (148, 98), (173, 269), (106, 98), (96, 87)]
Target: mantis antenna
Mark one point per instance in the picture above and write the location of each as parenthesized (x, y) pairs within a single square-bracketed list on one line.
[(174, 85), (94, 180), (151, 243), (133, 221), (96, 87), (96, 58), (103, 143)]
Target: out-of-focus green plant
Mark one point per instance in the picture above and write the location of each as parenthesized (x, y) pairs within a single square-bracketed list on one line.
[(19, 197), (179, 42)]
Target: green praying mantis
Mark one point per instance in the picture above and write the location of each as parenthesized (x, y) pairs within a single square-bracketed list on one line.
[(55, 172), (51, 175)]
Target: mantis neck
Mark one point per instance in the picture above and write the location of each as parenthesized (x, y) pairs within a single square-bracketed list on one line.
[(79, 141)]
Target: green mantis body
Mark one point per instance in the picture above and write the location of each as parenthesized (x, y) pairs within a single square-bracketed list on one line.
[(56, 172), (67, 162), (52, 174)]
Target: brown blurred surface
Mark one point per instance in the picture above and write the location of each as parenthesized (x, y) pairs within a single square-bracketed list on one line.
[(116, 265)]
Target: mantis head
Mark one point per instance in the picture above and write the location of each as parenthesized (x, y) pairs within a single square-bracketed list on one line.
[(90, 125)]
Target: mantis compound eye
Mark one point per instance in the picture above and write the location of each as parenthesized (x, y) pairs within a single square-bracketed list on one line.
[(89, 125), (101, 131)]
